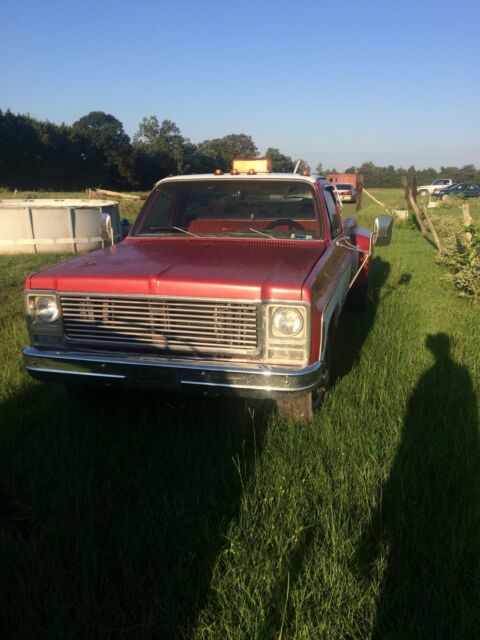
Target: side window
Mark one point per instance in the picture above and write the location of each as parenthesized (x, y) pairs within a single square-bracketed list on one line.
[(333, 217)]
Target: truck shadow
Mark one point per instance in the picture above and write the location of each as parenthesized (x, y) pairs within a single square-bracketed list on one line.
[(353, 328), (113, 509), (426, 523)]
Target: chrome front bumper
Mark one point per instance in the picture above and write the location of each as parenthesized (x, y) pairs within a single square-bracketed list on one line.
[(177, 375)]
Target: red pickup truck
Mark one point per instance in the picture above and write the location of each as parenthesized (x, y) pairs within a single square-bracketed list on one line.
[(227, 283)]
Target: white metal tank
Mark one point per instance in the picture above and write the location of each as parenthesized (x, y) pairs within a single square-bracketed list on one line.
[(54, 225)]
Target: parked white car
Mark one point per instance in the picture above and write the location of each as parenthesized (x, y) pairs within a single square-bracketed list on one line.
[(428, 189)]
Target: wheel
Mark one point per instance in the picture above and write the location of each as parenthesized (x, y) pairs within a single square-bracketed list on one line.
[(303, 407), (422, 192)]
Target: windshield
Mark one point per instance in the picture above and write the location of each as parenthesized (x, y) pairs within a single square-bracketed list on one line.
[(238, 208), (344, 187)]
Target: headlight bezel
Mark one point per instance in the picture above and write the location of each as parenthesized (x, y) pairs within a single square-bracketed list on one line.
[(44, 333), (284, 349), (34, 299)]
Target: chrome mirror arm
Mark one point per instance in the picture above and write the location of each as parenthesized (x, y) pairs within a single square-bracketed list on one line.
[(346, 244)]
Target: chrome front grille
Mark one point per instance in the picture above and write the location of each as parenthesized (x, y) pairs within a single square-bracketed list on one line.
[(172, 324)]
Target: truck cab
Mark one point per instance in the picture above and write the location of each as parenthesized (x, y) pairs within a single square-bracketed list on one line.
[(436, 185)]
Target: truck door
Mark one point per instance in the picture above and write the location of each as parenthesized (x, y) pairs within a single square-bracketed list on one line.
[(347, 259)]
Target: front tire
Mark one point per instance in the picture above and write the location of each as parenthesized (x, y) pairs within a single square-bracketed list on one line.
[(303, 407)]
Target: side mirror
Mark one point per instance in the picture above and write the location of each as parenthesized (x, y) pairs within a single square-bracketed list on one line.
[(382, 231), (106, 230), (349, 225)]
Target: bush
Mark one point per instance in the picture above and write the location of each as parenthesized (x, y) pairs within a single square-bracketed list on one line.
[(461, 254)]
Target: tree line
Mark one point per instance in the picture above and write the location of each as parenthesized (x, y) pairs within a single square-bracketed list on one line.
[(390, 176), (95, 151)]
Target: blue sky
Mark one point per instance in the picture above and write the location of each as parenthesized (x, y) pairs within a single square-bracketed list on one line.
[(332, 82)]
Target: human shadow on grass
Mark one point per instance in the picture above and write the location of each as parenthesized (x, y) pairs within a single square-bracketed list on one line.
[(427, 522), (115, 508)]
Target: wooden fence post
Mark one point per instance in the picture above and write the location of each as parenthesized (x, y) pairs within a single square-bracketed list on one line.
[(358, 205), (413, 205), (467, 221), (406, 190), (414, 187), (432, 229), (467, 218)]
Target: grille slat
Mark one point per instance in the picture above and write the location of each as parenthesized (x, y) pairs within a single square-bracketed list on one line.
[(214, 327), (157, 309), (152, 303), (73, 328), (142, 329), (205, 319)]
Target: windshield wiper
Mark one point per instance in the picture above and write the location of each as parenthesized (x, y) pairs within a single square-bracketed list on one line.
[(261, 233), (189, 233)]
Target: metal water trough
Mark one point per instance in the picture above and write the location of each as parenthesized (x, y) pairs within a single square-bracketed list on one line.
[(54, 225)]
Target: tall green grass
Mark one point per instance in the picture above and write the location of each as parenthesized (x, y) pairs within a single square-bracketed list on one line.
[(145, 516)]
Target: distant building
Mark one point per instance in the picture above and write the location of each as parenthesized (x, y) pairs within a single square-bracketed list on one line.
[(355, 179)]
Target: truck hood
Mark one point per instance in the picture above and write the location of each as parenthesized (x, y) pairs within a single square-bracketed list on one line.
[(192, 267)]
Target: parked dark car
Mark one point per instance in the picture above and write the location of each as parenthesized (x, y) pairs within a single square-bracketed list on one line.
[(460, 190)]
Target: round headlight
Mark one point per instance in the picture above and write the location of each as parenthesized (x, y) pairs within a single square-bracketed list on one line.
[(287, 321), (46, 308)]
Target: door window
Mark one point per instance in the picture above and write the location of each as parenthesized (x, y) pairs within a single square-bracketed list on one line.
[(333, 215)]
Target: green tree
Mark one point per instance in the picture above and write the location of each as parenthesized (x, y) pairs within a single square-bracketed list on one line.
[(148, 132), (322, 171), (102, 142), (160, 149), (221, 151), (280, 162)]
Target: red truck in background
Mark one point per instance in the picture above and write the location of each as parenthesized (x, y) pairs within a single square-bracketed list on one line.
[(227, 283)]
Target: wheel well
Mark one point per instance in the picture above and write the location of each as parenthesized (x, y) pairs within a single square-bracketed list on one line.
[(332, 327)]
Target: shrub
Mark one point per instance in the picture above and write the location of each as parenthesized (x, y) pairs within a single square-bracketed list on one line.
[(461, 254)]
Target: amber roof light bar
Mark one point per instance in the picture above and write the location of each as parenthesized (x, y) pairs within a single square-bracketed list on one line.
[(251, 166)]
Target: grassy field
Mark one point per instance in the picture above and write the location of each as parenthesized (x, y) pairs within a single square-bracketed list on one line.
[(138, 516)]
